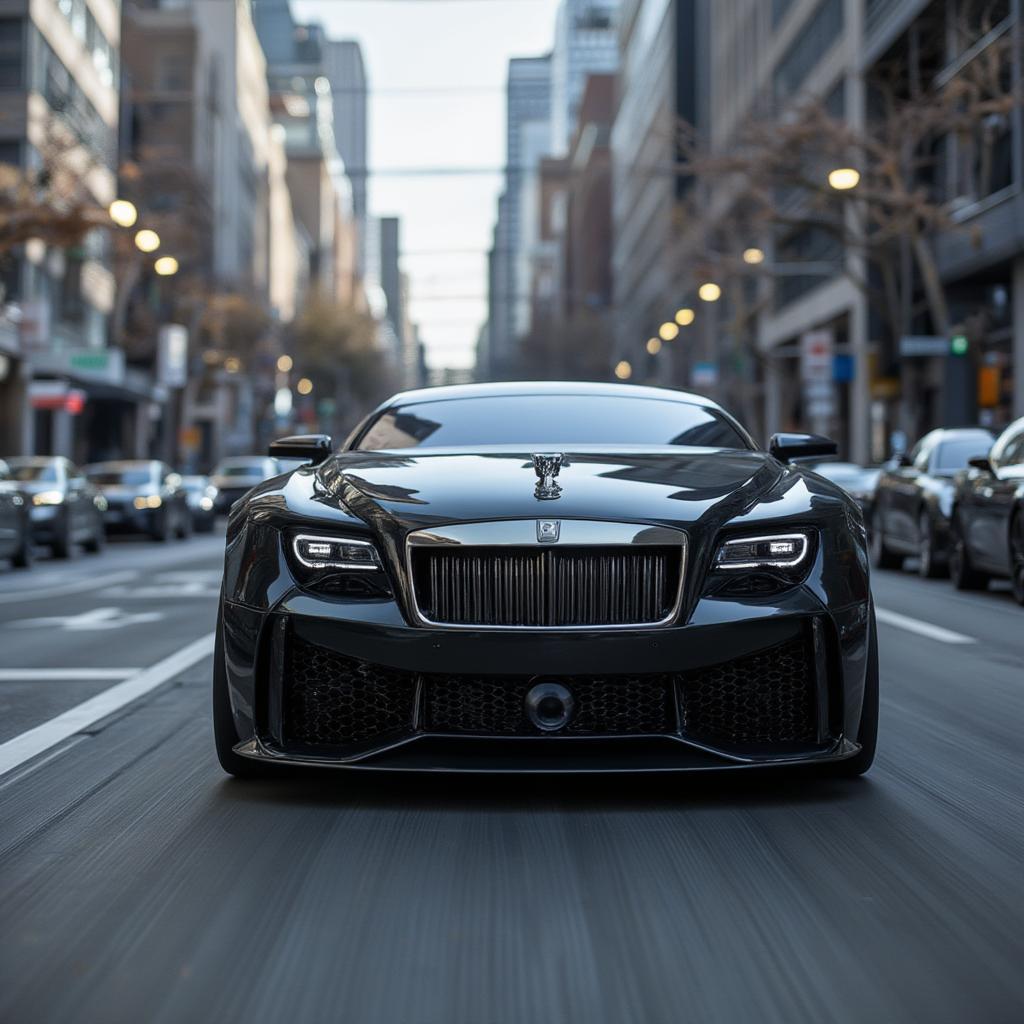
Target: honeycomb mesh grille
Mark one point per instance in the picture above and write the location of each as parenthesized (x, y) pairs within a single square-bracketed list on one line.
[(762, 698), (495, 705), (332, 700)]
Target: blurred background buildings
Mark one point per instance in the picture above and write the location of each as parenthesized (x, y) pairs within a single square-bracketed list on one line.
[(812, 210)]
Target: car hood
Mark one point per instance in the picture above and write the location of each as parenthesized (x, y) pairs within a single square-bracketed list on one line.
[(661, 484)]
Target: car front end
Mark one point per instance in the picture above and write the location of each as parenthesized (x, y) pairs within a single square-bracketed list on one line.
[(677, 612)]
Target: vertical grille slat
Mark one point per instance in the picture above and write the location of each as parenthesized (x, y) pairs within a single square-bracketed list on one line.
[(547, 588)]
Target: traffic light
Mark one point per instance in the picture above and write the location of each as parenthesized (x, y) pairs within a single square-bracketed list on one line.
[(958, 345)]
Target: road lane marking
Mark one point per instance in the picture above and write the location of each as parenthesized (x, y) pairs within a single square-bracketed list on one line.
[(87, 622), (30, 744), (30, 674), (67, 588), (933, 632)]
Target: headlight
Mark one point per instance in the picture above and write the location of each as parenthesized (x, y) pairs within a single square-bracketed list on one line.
[(48, 498), (206, 503), (148, 501), (785, 551), (335, 553)]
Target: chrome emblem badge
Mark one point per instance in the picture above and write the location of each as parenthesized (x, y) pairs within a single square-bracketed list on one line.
[(547, 468), (548, 531)]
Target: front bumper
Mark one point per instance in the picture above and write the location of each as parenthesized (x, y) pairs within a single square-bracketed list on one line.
[(723, 662)]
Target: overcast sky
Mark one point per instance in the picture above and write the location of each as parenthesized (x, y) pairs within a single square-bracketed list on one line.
[(437, 71)]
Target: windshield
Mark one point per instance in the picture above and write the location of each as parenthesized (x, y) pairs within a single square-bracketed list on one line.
[(131, 477), (29, 471), (556, 420), (953, 455), (241, 469)]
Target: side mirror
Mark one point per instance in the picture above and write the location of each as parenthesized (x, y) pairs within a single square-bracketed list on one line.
[(980, 462), (786, 447), (903, 460), (311, 448)]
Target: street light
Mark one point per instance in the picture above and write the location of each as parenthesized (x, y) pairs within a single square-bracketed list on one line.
[(668, 331), (844, 178), (709, 291), (685, 316), (653, 346), (284, 363), (147, 240), (123, 213), (753, 256), (232, 364), (165, 266), (622, 370), (305, 386)]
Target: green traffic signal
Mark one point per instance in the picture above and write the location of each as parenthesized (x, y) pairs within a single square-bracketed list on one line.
[(958, 344)]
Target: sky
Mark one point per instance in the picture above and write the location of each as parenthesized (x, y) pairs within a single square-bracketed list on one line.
[(437, 72)]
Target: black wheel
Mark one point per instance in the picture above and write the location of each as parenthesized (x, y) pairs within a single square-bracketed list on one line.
[(63, 545), (881, 555), (184, 525), (962, 573), (25, 555), (96, 543), (867, 734), (224, 734), (162, 529), (927, 564), (1017, 556)]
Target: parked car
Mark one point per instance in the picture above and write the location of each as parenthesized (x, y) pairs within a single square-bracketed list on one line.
[(914, 499), (858, 481), (988, 516), (66, 508), (15, 521), (202, 502), (143, 496), (238, 475)]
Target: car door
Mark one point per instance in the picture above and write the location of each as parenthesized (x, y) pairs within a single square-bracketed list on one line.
[(1000, 493), (905, 495), (75, 498)]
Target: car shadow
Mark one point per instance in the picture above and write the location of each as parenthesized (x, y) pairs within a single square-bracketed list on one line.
[(553, 793)]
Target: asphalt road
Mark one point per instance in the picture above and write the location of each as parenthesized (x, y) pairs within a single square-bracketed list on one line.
[(138, 883)]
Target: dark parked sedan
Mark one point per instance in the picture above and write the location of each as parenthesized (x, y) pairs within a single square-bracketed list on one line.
[(236, 476), (914, 499), (143, 496), (202, 502), (66, 508), (546, 578), (988, 516), (15, 520), (858, 481)]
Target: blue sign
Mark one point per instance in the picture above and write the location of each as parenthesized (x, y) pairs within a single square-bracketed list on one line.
[(842, 368)]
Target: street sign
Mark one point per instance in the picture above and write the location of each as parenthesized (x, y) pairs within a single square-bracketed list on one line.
[(704, 375), (816, 349), (914, 345)]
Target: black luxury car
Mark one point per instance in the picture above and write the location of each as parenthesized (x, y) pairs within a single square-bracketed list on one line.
[(143, 496), (546, 577), (914, 499), (66, 508), (15, 520), (988, 516)]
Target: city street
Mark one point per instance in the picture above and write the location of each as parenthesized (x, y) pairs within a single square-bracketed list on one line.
[(140, 883)]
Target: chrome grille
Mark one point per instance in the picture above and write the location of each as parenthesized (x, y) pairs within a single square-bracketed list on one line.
[(586, 586)]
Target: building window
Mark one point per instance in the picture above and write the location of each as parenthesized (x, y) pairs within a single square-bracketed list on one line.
[(812, 43), (12, 49)]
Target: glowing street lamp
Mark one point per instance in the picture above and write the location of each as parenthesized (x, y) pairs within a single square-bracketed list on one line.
[(284, 363), (623, 370), (147, 240), (753, 256), (709, 291), (123, 213), (165, 266), (842, 179), (232, 364), (653, 346), (685, 316), (305, 386), (668, 331)]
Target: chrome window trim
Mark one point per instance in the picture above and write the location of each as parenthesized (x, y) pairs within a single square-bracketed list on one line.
[(326, 538), (575, 533), (791, 564)]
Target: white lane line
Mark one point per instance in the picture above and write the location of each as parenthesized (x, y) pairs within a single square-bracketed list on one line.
[(945, 636), (29, 744), (31, 674), (14, 596)]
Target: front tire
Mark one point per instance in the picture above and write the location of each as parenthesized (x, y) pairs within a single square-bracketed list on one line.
[(224, 735), (881, 555), (928, 566), (63, 545), (95, 544), (25, 555), (867, 733), (1017, 556), (962, 573)]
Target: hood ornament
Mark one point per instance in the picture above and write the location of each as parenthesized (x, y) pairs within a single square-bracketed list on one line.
[(547, 468)]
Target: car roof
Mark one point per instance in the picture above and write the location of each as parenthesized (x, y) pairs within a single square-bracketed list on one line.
[(243, 460), (122, 464), (451, 392), (31, 460)]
